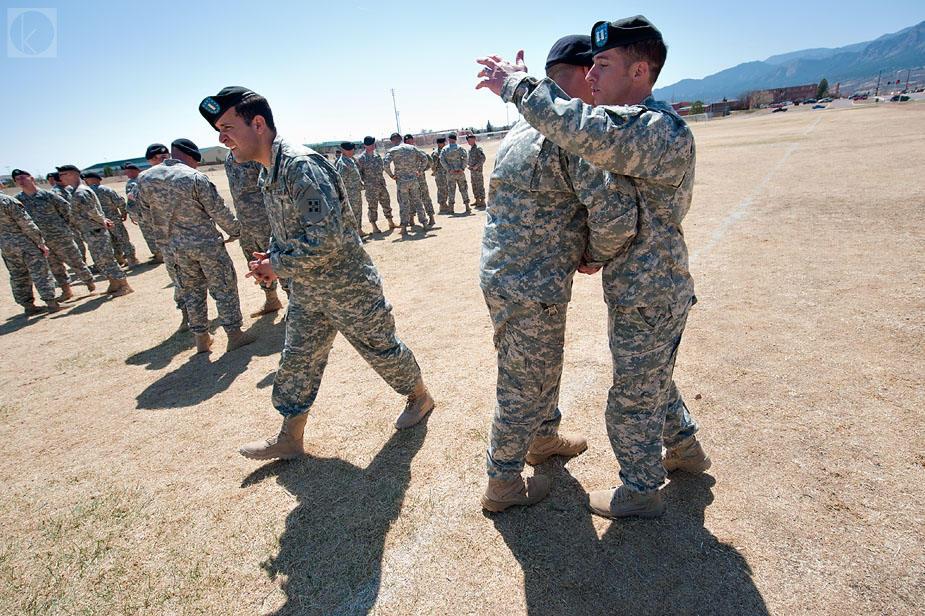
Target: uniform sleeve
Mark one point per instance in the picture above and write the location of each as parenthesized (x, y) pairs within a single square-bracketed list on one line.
[(119, 203), (387, 163), (612, 209), (629, 140), (313, 188), (61, 206), (94, 210), (24, 221), (215, 207), (443, 162)]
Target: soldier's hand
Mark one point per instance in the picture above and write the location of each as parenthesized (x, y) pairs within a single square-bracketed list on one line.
[(497, 70), (44, 249), (584, 268), (108, 223), (261, 271)]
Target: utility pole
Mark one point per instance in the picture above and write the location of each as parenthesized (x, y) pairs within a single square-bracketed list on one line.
[(395, 107), (878, 82)]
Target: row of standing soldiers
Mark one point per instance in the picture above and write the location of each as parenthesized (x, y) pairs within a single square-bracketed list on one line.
[(408, 164)]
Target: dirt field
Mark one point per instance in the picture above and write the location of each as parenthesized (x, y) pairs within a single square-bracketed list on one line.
[(123, 492)]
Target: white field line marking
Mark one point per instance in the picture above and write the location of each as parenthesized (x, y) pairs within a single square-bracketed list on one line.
[(742, 208)]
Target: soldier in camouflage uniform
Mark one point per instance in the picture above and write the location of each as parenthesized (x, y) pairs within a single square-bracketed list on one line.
[(51, 213), (475, 165), (407, 161), (453, 158), (58, 188), (255, 227), (371, 167), (440, 177), (132, 171), (335, 286), (184, 207), (540, 192), (24, 254), (349, 172), (648, 289), (114, 209), (87, 212), (422, 180)]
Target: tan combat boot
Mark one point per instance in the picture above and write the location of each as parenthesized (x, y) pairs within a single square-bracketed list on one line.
[(622, 502), (184, 323), (468, 209), (286, 445), (203, 343), (404, 230), (66, 293), (238, 338), (271, 304), (689, 456), (32, 309), (132, 261), (392, 224), (561, 444), (431, 221), (91, 286), (123, 288), (375, 228), (158, 257), (499, 495), (113, 286), (419, 404), (52, 305)]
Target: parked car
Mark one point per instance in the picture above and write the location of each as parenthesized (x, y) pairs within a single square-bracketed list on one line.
[(899, 98), (818, 106), (825, 100), (809, 101), (776, 109)]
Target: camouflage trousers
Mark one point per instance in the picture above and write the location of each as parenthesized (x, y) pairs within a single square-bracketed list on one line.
[(79, 240), (63, 251), (356, 205), (256, 238), (121, 244), (644, 406), (529, 337), (425, 194), (347, 298), (100, 247), (203, 270), (377, 194), (409, 201), (27, 266), (147, 232), (171, 267), (478, 184), (442, 190), (457, 179)]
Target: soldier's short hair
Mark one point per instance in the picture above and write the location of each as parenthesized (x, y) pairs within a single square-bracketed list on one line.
[(651, 51), (254, 105)]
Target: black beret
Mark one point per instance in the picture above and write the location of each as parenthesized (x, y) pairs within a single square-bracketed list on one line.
[(369, 140), (67, 168), (395, 136), (609, 34), (154, 149), (451, 136), (127, 166), (91, 174), (213, 107), (441, 139), (409, 136), (470, 137), (55, 176), (19, 172), (187, 147), (574, 49), (347, 145)]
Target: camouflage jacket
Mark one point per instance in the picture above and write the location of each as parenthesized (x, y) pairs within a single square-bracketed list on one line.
[(312, 222), (453, 158), (407, 161), (548, 207), (651, 146), (112, 202), (184, 206), (61, 192), (17, 231), (131, 186), (246, 195), (435, 162), (350, 174), (476, 158), (371, 167), (86, 210), (50, 212)]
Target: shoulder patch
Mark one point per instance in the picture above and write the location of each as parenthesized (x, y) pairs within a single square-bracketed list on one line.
[(600, 34)]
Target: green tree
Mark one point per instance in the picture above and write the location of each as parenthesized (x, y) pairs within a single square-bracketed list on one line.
[(108, 172), (697, 107), (489, 127), (823, 88)]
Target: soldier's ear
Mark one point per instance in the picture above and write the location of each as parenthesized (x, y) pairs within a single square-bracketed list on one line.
[(260, 125)]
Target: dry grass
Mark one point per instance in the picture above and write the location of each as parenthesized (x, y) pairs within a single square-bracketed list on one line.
[(122, 492)]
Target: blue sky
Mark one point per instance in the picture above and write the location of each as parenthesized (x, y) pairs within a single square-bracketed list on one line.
[(126, 74)]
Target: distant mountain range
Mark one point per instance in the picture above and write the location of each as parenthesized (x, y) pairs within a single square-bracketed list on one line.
[(855, 64)]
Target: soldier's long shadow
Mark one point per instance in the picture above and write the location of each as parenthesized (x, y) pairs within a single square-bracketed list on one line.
[(672, 565), (17, 322), (205, 375), (331, 551)]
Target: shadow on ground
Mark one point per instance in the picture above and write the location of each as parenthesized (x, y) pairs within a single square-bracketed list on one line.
[(672, 565), (331, 550), (202, 375)]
